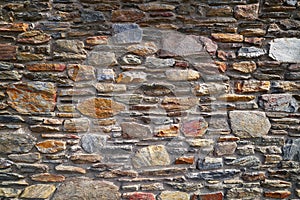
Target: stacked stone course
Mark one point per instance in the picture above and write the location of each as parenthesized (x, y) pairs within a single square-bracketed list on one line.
[(142, 99)]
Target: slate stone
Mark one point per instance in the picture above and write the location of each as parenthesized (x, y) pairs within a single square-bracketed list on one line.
[(291, 150), (10, 176), (251, 52), (214, 174), (87, 189), (34, 37), (6, 66), (157, 89), (210, 163), (88, 16), (280, 46), (127, 33), (32, 97), (248, 161), (249, 124), (10, 75), (278, 102), (16, 142), (38, 191), (10, 118), (135, 130), (244, 193), (92, 143)]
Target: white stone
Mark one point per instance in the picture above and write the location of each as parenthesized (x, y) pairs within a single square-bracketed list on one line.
[(285, 50)]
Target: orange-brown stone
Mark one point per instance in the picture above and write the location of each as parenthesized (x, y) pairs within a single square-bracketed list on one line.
[(227, 37), (46, 177), (34, 37), (39, 67), (127, 15), (185, 160), (280, 194), (51, 146), (100, 107), (8, 52), (14, 27)]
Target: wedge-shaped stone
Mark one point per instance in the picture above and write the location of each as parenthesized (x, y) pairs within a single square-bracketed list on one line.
[(32, 97), (100, 107), (155, 155), (38, 191)]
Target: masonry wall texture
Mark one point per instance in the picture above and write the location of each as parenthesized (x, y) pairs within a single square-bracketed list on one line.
[(149, 100)]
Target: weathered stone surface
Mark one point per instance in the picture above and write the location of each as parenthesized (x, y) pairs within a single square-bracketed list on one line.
[(32, 97), (178, 104), (249, 124), (85, 158), (88, 16), (10, 75), (97, 40), (182, 75), (131, 59), (69, 46), (227, 37), (42, 67), (155, 155), (76, 125), (214, 174), (51, 146), (252, 86), (106, 75), (244, 193), (236, 97), (70, 169), (33, 37), (212, 196), (101, 59), (171, 195), (139, 196), (43, 128), (38, 191), (249, 12), (210, 89), (276, 184), (157, 89), (254, 176), (200, 142), (156, 7), (100, 107), (248, 161), (210, 163), (143, 49), (32, 168), (159, 63), (132, 77), (130, 15), (87, 189), (110, 87), (194, 128), (92, 143), (28, 158), (135, 130), (127, 33), (278, 102), (185, 160), (81, 72), (279, 194), (27, 56), (8, 52), (225, 148), (46, 177), (246, 150), (14, 27), (10, 192), (291, 150), (280, 46), (16, 142), (245, 66), (251, 52), (171, 130)]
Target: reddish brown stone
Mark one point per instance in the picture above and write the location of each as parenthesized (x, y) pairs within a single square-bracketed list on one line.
[(212, 196), (194, 128), (46, 177), (34, 37), (185, 160), (100, 107), (86, 158), (249, 11), (139, 196), (96, 40), (8, 52), (280, 194), (162, 14), (51, 146), (39, 67), (14, 27), (127, 15), (167, 131)]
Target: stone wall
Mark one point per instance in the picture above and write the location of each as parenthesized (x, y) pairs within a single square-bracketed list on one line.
[(145, 100)]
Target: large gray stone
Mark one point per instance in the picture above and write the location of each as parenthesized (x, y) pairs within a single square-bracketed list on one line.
[(291, 150), (92, 143), (85, 189), (249, 124), (278, 102), (16, 142), (285, 50), (135, 130), (127, 33)]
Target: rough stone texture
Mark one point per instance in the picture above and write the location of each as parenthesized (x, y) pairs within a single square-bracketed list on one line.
[(33, 37), (168, 195), (51, 146), (127, 33), (249, 12), (39, 191), (16, 142), (32, 97), (135, 130), (280, 46), (155, 155), (225, 148), (87, 189), (99, 107), (92, 143), (81, 72), (248, 124), (194, 128), (278, 102)]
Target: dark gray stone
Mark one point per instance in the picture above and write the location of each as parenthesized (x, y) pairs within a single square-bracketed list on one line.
[(292, 75), (10, 176), (157, 89), (127, 33), (6, 66), (248, 161), (16, 142), (291, 150), (92, 143), (278, 102), (92, 16), (10, 75), (10, 118), (214, 174)]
